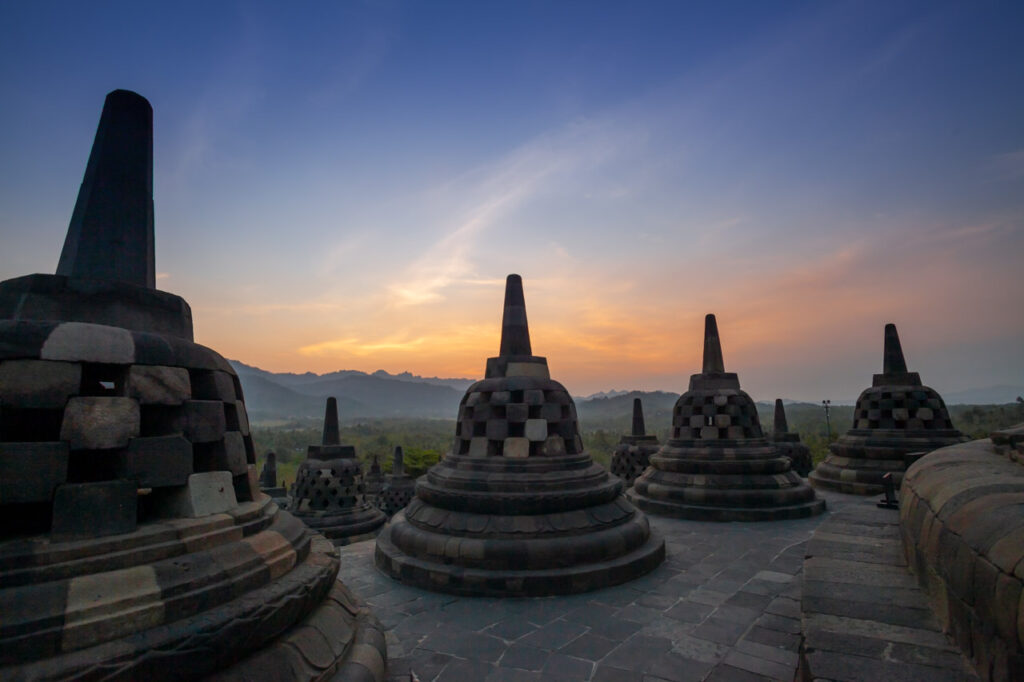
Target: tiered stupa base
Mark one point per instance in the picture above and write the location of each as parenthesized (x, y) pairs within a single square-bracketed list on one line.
[(189, 595), (747, 483), (632, 456)]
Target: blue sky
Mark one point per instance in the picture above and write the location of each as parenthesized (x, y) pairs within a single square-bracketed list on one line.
[(347, 185)]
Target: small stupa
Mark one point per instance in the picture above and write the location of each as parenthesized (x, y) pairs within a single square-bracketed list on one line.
[(135, 543), (268, 479), (373, 481), (399, 488), (517, 507), (633, 453), (893, 418), (328, 494), (788, 442), (718, 466)]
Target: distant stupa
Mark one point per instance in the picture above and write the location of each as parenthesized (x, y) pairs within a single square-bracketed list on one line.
[(897, 416), (634, 451), (788, 442), (717, 466), (517, 508), (399, 488)]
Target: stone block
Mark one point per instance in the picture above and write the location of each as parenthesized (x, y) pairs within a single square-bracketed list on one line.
[(204, 420), (29, 472), (723, 421), (516, 448), (38, 383), (243, 417), (156, 462), (100, 422), (234, 453), (158, 385), (709, 433), (83, 342), (478, 447), (89, 510), (536, 429), (500, 397), (527, 369), (533, 396), (517, 412), (497, 429), (210, 492)]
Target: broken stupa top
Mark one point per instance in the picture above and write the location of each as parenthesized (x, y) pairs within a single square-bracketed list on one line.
[(717, 464), (632, 454), (122, 442), (896, 416), (517, 507)]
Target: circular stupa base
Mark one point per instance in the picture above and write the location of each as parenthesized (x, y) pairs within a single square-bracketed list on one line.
[(697, 512), (348, 528), (452, 578), (851, 481)]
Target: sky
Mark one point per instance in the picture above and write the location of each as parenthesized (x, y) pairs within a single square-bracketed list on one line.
[(346, 186)]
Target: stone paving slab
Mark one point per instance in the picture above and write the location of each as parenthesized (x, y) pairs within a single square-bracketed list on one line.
[(863, 615), (723, 606)]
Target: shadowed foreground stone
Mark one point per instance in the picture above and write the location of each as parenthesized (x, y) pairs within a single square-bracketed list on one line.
[(517, 508), (717, 466), (134, 541), (328, 495), (897, 416), (962, 525), (633, 453), (788, 442)]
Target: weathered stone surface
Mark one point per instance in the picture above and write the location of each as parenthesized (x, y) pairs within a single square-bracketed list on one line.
[(38, 383), (84, 342), (157, 385), (29, 472), (209, 492), (156, 461), (100, 422), (204, 420), (517, 508), (88, 510)]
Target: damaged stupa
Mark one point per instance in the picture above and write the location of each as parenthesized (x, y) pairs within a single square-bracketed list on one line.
[(788, 442), (134, 541), (717, 465), (633, 453), (517, 508), (897, 416), (329, 495)]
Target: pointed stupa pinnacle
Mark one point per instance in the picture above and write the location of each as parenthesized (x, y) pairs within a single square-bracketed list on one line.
[(893, 361), (781, 426), (515, 334), (638, 418), (110, 236), (713, 362), (331, 434), (398, 466)]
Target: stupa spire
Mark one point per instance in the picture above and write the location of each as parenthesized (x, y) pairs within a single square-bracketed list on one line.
[(780, 426), (893, 361), (110, 236), (331, 434), (713, 362), (638, 418), (515, 334), (398, 465)]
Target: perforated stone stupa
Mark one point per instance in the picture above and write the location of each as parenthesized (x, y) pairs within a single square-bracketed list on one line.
[(399, 488), (633, 453), (328, 495), (893, 418), (718, 466), (517, 507), (788, 442), (134, 541)]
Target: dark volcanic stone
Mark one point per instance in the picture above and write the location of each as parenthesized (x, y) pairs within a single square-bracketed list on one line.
[(87, 510)]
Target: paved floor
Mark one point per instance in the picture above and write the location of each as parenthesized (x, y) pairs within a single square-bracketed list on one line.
[(724, 606)]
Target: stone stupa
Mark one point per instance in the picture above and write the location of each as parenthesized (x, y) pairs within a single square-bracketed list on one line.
[(717, 465), (268, 479), (896, 417), (788, 442), (134, 541), (518, 508), (633, 453), (399, 488), (328, 495)]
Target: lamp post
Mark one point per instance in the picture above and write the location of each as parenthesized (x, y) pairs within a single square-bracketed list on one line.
[(827, 404)]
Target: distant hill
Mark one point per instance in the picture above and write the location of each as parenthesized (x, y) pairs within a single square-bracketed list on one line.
[(991, 395)]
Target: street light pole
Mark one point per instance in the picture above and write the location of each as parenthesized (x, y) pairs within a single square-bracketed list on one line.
[(827, 404)]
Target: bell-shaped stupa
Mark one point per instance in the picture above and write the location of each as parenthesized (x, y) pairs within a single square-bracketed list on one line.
[(329, 495), (633, 453), (399, 488), (517, 508), (134, 541), (897, 416), (788, 442), (718, 466)]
